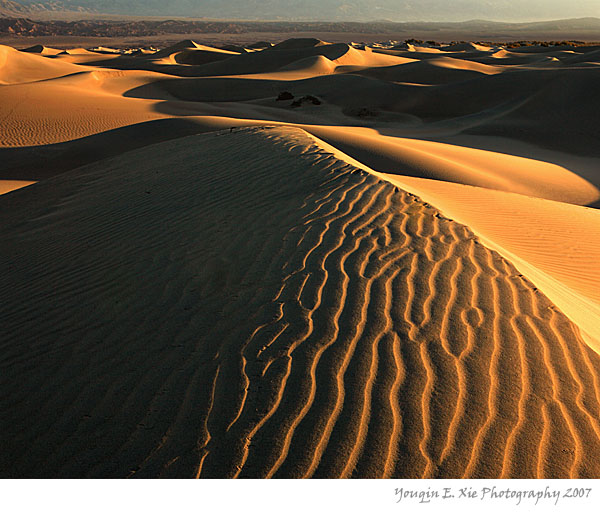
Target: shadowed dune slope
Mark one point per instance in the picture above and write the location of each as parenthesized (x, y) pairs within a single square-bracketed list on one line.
[(246, 304), (431, 71), (43, 50), (562, 111), (186, 44), (201, 56), (189, 52), (298, 43)]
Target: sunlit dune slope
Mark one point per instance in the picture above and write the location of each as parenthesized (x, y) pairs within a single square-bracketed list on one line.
[(8, 185), (77, 105), (18, 67), (246, 304)]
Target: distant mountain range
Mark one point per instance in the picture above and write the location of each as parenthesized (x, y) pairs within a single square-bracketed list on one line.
[(83, 25), (10, 9), (315, 10)]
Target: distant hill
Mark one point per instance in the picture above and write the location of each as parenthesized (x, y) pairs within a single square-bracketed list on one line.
[(116, 18), (584, 29), (44, 10)]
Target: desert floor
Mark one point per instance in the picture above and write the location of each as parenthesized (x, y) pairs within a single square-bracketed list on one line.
[(300, 260)]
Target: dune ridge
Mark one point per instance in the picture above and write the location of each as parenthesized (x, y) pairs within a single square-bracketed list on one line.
[(378, 338)]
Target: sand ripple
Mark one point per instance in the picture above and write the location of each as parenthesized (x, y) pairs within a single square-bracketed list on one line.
[(246, 304)]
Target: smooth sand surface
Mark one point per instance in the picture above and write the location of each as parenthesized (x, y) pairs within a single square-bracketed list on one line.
[(310, 260), (6, 186), (17, 67)]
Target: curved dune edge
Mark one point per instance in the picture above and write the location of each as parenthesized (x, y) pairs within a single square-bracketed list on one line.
[(246, 304), (462, 165), (561, 258), (555, 245)]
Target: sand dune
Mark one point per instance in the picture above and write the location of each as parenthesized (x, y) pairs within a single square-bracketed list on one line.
[(298, 43), (369, 303), (186, 44), (431, 71), (300, 260), (461, 165), (466, 47), (275, 57), (43, 50), (588, 57), (19, 67), (310, 66), (190, 52), (201, 56), (196, 60), (385, 154)]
